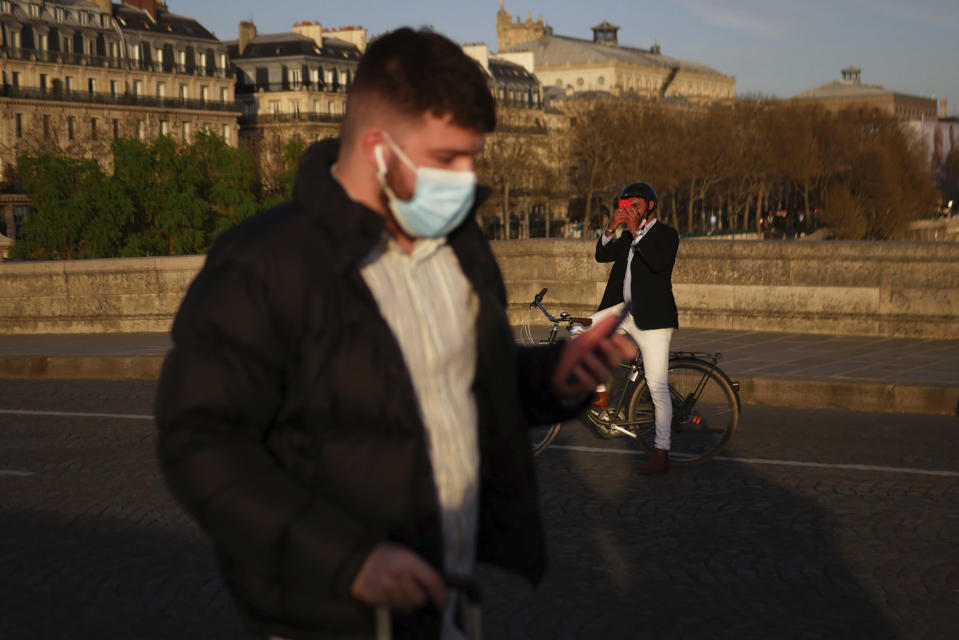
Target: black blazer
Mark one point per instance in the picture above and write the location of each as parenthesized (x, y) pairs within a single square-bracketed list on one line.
[(653, 304)]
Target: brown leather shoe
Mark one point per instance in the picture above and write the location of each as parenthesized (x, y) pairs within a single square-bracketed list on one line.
[(600, 400), (659, 463)]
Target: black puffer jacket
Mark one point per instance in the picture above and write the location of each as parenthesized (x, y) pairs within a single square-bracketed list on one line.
[(288, 425)]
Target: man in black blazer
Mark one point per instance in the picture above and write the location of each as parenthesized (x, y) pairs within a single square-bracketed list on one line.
[(643, 257)]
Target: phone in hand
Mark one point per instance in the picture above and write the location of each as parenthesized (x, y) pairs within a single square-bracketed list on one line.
[(620, 318), (624, 204)]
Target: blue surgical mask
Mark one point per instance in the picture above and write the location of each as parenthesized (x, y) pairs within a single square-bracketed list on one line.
[(441, 201)]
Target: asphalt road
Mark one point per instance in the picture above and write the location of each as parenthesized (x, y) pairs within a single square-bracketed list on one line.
[(813, 524)]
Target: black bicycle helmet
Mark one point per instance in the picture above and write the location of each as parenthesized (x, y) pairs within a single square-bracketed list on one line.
[(642, 190)]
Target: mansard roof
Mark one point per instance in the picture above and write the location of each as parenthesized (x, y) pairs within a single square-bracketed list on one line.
[(280, 45), (510, 71), (135, 19), (553, 50)]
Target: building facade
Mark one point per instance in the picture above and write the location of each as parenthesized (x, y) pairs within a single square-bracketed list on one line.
[(602, 64), (78, 73), (850, 91), (292, 86)]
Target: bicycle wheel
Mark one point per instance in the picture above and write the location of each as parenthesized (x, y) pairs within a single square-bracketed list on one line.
[(540, 437), (705, 412)]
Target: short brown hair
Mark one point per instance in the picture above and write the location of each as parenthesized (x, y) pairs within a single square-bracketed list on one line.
[(419, 72)]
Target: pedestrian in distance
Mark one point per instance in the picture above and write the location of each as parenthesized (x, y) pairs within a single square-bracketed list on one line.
[(344, 408), (643, 257)]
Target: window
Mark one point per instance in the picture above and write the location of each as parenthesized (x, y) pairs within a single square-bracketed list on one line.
[(296, 110), (46, 126), (294, 78), (68, 84), (67, 45), (316, 107), (44, 42), (158, 55), (15, 39), (15, 78), (5, 6), (275, 108), (93, 128), (223, 61), (43, 82), (71, 127), (224, 94), (204, 93), (203, 59), (116, 128), (91, 85), (18, 124), (164, 127), (59, 14), (135, 52), (113, 50), (81, 17), (161, 90), (113, 88), (181, 58), (34, 11), (186, 132), (184, 92), (137, 87), (104, 20)]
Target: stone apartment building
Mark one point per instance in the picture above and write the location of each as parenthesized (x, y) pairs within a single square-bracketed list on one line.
[(292, 86), (78, 73)]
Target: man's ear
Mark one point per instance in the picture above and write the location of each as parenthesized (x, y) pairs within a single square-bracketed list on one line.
[(371, 139), (652, 205)]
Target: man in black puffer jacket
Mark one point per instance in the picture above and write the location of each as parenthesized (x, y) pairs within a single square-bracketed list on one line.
[(344, 408)]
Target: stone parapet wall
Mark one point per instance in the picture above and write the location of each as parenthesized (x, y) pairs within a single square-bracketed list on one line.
[(839, 288), (94, 296)]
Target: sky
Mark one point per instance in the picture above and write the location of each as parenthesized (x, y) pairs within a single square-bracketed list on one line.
[(773, 47)]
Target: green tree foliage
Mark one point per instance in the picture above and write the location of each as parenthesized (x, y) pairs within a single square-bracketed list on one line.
[(160, 200), (78, 212)]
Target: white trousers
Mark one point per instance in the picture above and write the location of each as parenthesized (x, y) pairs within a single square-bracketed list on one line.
[(654, 346)]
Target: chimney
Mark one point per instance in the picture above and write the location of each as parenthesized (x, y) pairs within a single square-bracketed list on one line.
[(150, 6), (247, 33)]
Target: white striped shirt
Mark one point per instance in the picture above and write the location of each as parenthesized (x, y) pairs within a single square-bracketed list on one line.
[(432, 308)]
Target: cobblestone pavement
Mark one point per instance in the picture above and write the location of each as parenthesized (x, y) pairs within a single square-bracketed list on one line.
[(91, 546)]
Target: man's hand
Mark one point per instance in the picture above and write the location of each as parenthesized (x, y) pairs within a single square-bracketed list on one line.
[(396, 578), (590, 359), (620, 216)]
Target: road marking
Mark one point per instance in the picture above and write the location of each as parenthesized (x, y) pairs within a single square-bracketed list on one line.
[(783, 463), (70, 414), (16, 474)]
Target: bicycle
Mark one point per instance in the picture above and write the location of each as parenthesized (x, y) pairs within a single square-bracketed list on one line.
[(706, 403)]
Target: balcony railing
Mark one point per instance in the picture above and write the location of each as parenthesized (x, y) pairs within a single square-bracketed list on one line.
[(270, 118), (82, 59), (291, 86), (124, 99)]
